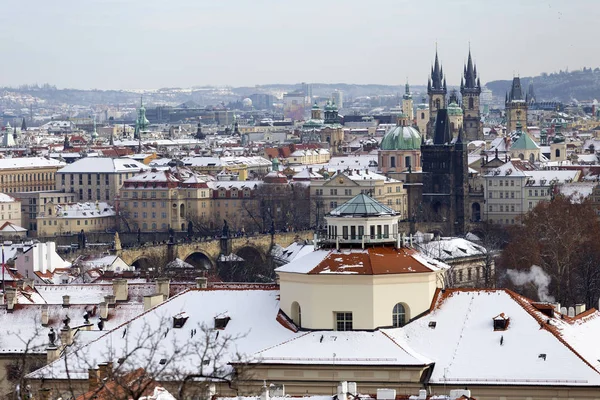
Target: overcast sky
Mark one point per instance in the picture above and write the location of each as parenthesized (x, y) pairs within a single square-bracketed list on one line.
[(124, 44)]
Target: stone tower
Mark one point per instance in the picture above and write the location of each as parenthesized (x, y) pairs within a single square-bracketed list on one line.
[(515, 107), (436, 89), (470, 90), (444, 163), (407, 104)]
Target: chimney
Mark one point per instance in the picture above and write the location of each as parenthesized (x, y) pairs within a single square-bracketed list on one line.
[(201, 283), (52, 354), (104, 371), (352, 389), (458, 393), (29, 282), (422, 394), (152, 300), (163, 286), (20, 284), (66, 335), (66, 301), (44, 394), (103, 310), (386, 394), (92, 379), (264, 392), (120, 289), (44, 319), (342, 390), (109, 299), (11, 298), (579, 308)]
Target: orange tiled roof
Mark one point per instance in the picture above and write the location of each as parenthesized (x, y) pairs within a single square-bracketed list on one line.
[(372, 261)]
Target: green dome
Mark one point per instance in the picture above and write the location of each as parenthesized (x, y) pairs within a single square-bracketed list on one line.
[(401, 138), (454, 109)]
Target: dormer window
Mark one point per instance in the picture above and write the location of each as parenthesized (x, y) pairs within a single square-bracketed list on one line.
[(180, 319), (501, 322), (221, 322)]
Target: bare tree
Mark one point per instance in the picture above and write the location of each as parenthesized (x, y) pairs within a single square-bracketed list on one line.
[(140, 358)]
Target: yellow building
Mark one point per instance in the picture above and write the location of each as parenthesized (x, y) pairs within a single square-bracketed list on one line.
[(68, 219), (158, 200), (10, 210), (28, 174), (344, 185), (32, 203)]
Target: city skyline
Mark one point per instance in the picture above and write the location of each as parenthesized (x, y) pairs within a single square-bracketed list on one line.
[(144, 45)]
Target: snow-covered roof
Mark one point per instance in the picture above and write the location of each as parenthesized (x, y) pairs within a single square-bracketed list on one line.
[(447, 249), (4, 198), (371, 261), (577, 191), (253, 317), (29, 162), (343, 348), (83, 210), (104, 165), (459, 336)]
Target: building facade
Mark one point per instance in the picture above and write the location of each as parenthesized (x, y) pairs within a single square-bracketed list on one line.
[(27, 174), (97, 178), (162, 200), (32, 203)]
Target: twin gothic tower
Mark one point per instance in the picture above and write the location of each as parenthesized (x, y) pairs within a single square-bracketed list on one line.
[(470, 90)]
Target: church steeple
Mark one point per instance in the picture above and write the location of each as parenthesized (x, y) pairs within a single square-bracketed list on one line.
[(470, 90), (436, 89)]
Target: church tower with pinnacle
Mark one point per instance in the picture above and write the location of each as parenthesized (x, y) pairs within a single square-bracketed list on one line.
[(436, 89), (470, 90)]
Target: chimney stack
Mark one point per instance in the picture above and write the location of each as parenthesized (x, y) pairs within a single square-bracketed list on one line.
[(163, 286), (92, 379), (104, 371), (579, 308), (44, 319), (11, 298), (66, 335), (66, 301), (103, 310), (120, 289), (152, 300), (109, 299), (201, 283)]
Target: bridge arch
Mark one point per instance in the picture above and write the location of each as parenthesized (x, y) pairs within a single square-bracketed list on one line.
[(251, 254), (143, 263), (199, 259)]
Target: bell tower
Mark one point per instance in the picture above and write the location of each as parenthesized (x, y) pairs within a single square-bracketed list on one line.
[(436, 89), (515, 107), (470, 90), (407, 104)]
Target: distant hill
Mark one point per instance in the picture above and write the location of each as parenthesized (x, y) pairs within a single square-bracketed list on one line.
[(558, 86)]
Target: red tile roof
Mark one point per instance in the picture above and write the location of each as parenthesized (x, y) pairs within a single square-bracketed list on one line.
[(373, 261)]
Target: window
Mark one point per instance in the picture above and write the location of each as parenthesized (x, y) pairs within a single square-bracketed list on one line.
[(393, 162), (512, 195), (398, 315), (296, 313), (343, 321), (501, 182), (333, 192), (348, 192), (512, 183)]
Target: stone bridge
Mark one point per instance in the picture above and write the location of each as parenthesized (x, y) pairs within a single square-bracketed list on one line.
[(206, 253)]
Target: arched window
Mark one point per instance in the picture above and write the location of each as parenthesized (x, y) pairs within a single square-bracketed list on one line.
[(470, 103), (399, 315), (532, 158), (437, 104), (557, 153), (422, 115), (296, 313), (182, 211)]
